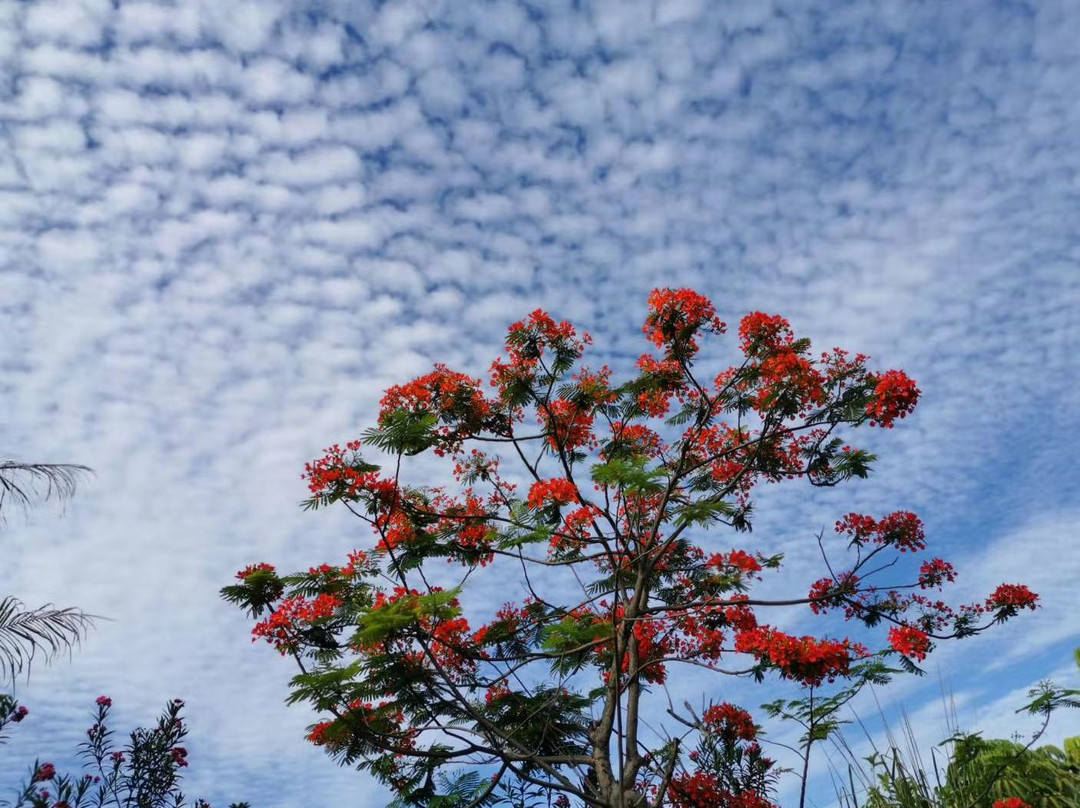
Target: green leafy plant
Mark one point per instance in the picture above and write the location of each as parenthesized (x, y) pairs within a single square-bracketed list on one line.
[(971, 772), (143, 773)]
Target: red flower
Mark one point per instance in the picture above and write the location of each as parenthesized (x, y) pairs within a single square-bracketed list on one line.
[(567, 425), (829, 593), (1011, 802), (932, 573), (703, 790), (740, 560), (20, 714), (318, 734), (46, 771), (895, 396), (556, 491), (909, 641), (675, 316), (901, 529), (104, 701), (805, 659), (279, 628), (761, 333), (730, 722), (1012, 596), (253, 568)]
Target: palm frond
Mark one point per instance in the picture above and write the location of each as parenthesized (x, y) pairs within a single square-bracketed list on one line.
[(26, 483), (24, 633)]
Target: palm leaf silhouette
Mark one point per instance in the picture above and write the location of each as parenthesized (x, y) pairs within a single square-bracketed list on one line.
[(25, 633)]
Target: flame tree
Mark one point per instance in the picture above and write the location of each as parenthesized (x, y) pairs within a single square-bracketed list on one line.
[(603, 530)]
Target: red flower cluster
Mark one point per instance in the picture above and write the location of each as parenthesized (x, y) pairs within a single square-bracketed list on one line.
[(730, 722), (910, 641), (556, 491), (761, 333), (454, 397), (934, 572), (595, 386), (466, 520), (675, 316), (829, 593), (805, 659), (576, 528), (252, 568), (335, 472), (721, 448), (319, 734), (702, 790), (179, 755), (526, 342), (788, 376), (567, 425), (280, 628), (894, 397), (45, 772), (1012, 596), (653, 645), (1011, 802), (441, 392), (738, 561), (902, 530), (358, 562), (635, 439)]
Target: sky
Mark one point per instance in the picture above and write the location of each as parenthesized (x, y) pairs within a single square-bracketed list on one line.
[(227, 225)]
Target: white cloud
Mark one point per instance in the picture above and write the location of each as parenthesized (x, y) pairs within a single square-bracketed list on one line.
[(78, 22), (314, 166)]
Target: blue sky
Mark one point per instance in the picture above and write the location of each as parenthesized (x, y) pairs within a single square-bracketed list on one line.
[(226, 226)]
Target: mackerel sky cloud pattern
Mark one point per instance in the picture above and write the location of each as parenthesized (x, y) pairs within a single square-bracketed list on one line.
[(226, 227)]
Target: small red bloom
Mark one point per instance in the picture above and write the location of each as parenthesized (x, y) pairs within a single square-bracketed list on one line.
[(318, 733), (46, 771), (934, 572), (1011, 802), (253, 568), (104, 701)]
